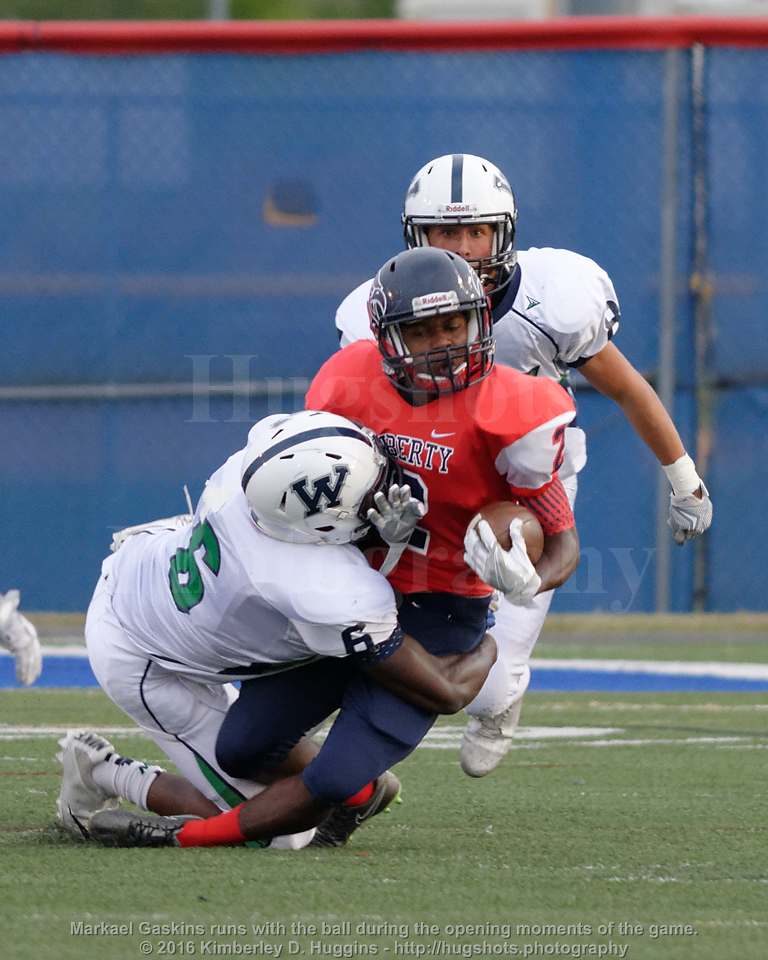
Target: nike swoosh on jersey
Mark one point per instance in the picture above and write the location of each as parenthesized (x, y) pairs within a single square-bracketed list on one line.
[(439, 436)]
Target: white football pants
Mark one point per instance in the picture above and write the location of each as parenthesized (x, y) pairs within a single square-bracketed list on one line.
[(516, 631), (180, 714)]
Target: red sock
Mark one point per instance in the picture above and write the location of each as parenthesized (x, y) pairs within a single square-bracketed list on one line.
[(360, 798), (214, 832)]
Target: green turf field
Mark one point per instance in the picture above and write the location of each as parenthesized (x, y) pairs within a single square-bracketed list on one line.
[(659, 824)]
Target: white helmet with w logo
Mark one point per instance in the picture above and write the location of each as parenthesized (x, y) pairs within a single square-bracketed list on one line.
[(309, 477)]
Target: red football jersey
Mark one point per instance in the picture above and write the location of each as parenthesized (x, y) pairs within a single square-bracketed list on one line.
[(501, 439)]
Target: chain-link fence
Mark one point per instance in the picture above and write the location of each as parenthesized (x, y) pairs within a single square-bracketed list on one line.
[(173, 224)]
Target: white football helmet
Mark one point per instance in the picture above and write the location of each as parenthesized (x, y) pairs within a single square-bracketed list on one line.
[(310, 477), (461, 188)]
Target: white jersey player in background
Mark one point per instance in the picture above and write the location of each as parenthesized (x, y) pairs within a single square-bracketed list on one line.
[(19, 636), (264, 586), (553, 311)]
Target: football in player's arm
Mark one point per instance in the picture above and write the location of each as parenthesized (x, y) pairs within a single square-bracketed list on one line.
[(264, 586)]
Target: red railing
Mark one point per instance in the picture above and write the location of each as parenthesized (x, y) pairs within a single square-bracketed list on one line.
[(341, 36)]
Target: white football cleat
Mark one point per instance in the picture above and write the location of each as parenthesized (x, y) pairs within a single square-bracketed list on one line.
[(80, 797), (487, 740)]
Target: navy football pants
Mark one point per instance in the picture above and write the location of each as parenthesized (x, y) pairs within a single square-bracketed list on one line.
[(373, 730)]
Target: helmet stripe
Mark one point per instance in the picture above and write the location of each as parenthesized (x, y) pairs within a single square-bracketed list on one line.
[(300, 438), (457, 178)]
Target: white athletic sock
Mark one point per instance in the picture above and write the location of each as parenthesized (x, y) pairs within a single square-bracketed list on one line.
[(126, 778), (506, 683)]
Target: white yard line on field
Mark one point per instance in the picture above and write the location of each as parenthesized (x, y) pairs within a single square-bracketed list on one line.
[(442, 737), (676, 668), (731, 671)]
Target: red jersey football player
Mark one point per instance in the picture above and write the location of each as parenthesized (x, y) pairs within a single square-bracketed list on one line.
[(466, 433)]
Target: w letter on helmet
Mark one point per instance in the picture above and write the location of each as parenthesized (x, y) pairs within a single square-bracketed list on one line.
[(321, 488)]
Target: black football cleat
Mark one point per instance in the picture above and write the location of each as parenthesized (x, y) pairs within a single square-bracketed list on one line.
[(342, 823), (121, 828)]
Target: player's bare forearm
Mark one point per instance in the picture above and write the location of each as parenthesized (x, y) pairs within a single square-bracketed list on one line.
[(559, 559), (467, 672), (614, 376), (435, 684)]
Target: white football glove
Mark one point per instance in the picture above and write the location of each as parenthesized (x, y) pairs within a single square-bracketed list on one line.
[(169, 523), (688, 516), (509, 571), (396, 516), (19, 636)]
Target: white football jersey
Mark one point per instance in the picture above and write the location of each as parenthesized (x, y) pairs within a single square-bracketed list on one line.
[(352, 320), (559, 310), (562, 312), (219, 600)]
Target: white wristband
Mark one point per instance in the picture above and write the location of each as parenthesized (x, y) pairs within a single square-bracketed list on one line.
[(683, 477)]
